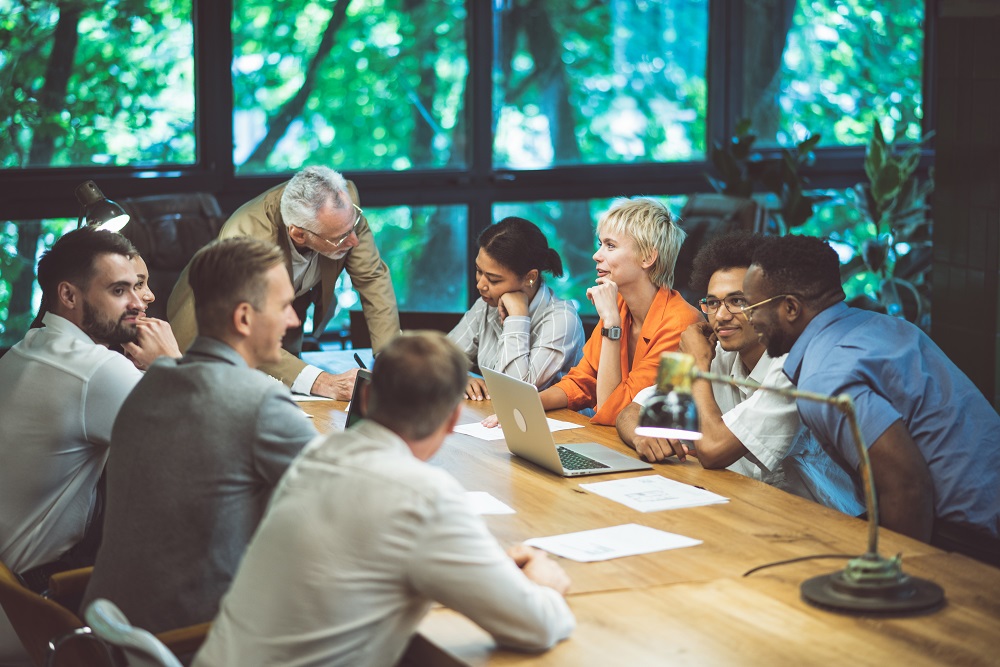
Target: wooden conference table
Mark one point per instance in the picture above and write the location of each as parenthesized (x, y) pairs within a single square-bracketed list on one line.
[(692, 606)]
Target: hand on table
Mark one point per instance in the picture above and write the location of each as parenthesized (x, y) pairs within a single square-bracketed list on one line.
[(338, 387), (490, 422), (476, 391), (659, 449), (541, 569)]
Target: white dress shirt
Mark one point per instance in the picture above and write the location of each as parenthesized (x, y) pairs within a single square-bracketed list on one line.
[(59, 395), (780, 450), (305, 276), (359, 538), (539, 348)]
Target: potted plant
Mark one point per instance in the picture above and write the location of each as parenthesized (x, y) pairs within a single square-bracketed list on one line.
[(893, 243), (773, 180)]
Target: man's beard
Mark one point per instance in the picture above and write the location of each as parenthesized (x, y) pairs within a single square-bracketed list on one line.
[(340, 254), (776, 344), (106, 330)]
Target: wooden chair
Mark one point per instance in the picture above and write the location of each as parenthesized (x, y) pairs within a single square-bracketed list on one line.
[(51, 634)]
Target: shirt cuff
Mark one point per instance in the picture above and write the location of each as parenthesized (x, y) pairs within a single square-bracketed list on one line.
[(304, 382), (517, 324), (643, 396)]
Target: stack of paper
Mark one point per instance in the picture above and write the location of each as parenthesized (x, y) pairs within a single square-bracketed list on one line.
[(652, 493), (606, 543)]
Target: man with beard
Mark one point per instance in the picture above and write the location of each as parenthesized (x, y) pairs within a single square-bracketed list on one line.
[(60, 390), (154, 337), (754, 433), (933, 439), (317, 221)]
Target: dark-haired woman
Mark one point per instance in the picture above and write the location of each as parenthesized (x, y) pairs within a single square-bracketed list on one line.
[(518, 327)]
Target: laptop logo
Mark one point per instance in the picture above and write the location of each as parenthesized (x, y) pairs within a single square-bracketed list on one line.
[(522, 425)]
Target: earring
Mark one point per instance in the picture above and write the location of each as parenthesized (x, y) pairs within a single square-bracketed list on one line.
[(530, 283)]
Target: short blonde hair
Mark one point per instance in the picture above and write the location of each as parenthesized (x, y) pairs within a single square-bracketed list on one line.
[(652, 227)]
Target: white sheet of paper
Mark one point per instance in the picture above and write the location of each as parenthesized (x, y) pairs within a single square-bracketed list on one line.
[(483, 503), (299, 398), (477, 430), (652, 493), (629, 539)]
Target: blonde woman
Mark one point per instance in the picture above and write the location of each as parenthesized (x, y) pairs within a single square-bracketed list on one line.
[(641, 314)]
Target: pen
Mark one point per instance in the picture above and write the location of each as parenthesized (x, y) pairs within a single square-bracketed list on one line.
[(357, 358)]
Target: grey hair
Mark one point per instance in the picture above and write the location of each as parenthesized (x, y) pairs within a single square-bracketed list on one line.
[(308, 192)]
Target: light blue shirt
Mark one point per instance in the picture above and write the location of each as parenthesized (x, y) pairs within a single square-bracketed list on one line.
[(894, 371)]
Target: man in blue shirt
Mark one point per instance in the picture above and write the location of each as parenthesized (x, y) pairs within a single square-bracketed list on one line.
[(933, 439)]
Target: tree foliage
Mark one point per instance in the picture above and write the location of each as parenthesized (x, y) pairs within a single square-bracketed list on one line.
[(845, 64), (349, 84), (382, 85)]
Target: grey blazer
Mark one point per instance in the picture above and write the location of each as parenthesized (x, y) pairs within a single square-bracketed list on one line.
[(196, 450)]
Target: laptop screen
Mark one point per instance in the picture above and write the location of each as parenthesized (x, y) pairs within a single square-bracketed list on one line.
[(354, 414)]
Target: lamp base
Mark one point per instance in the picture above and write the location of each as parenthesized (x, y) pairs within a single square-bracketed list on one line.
[(872, 584)]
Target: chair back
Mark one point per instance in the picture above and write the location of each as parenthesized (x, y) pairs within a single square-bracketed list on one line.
[(40, 623), (168, 230), (140, 647)]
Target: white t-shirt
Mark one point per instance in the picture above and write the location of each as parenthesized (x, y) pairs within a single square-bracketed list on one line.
[(780, 450)]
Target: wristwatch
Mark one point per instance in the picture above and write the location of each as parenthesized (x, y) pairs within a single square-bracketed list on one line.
[(612, 333)]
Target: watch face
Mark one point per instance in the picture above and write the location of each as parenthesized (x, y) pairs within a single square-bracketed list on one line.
[(612, 333)]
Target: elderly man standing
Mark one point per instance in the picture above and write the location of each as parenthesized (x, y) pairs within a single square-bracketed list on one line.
[(317, 221)]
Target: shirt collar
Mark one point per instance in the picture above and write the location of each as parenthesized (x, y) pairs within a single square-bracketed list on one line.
[(366, 435), (541, 298), (205, 347), (793, 362), (62, 325), (756, 374)]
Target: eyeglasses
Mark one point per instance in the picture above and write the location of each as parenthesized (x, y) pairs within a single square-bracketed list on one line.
[(339, 241), (734, 304), (748, 310)]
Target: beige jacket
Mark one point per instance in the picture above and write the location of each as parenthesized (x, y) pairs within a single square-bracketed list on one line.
[(261, 218)]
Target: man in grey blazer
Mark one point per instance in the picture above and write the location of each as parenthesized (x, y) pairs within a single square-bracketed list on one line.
[(199, 445), (317, 221)]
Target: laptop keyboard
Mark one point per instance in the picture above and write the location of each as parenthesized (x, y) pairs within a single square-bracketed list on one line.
[(573, 461)]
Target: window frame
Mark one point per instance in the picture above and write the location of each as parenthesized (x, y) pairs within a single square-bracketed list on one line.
[(48, 192)]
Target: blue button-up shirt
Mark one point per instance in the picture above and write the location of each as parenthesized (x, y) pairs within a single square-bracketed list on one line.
[(894, 371)]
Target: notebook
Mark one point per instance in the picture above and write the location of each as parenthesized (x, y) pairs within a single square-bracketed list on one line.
[(354, 407), (527, 433)]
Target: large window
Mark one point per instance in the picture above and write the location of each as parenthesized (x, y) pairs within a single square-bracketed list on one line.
[(368, 84), (447, 114), (832, 67), (96, 83), (582, 82), (18, 305)]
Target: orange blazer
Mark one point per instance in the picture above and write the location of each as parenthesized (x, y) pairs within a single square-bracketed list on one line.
[(669, 315)]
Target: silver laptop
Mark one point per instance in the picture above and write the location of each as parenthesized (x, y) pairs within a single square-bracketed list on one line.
[(527, 433)]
